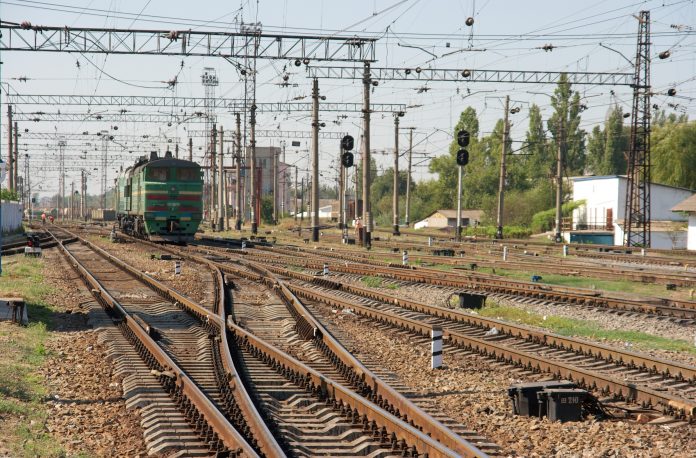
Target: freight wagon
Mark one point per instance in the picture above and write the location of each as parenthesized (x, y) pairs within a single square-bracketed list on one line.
[(160, 199)]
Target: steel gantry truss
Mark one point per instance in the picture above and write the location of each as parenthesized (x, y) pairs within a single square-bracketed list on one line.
[(125, 116), (115, 100), (471, 75), (303, 134), (637, 211), (287, 107), (25, 37)]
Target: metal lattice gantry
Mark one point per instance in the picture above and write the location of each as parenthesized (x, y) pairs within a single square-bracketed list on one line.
[(637, 211), (125, 116), (288, 107), (296, 134), (116, 100), (26, 37), (471, 75)]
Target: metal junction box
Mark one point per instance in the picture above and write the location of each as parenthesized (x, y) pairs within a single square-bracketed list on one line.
[(472, 300), (525, 399), (562, 404)]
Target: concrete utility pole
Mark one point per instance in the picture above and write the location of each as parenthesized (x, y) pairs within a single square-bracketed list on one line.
[(238, 185), (395, 194), (190, 149), (226, 194), (176, 151), (302, 201), (222, 208), (83, 191), (294, 205), (61, 183), (366, 181), (27, 180), (275, 187), (459, 203), (10, 152), (341, 191), (252, 169), (72, 200), (16, 150), (559, 182), (408, 177), (315, 160), (501, 183), (211, 190)]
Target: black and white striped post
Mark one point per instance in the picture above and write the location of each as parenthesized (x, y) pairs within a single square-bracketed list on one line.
[(326, 269), (404, 258), (436, 346), (177, 267)]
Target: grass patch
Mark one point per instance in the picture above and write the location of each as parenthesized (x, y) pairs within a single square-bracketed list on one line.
[(22, 352), (372, 282), (584, 328), (623, 286)]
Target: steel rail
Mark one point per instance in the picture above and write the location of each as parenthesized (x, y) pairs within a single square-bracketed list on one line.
[(230, 384), (629, 359), (397, 413), (671, 404), (208, 420), (563, 266), (382, 423), (371, 385), (678, 309)]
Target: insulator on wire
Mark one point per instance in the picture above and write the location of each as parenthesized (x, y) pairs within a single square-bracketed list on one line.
[(665, 54), (671, 92), (469, 21)]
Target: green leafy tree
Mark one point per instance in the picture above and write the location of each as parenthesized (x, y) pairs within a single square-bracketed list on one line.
[(607, 148), (566, 105), (541, 158), (674, 154)]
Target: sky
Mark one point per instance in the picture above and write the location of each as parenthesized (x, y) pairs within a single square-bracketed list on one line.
[(593, 36)]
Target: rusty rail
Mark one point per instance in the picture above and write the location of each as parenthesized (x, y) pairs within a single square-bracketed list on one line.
[(388, 410), (379, 422), (207, 420), (671, 404), (678, 309)]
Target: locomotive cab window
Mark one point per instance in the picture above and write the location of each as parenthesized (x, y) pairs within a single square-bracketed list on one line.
[(158, 174), (188, 174)]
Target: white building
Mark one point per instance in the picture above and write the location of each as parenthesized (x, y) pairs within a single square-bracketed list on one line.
[(440, 219), (688, 206), (604, 210)]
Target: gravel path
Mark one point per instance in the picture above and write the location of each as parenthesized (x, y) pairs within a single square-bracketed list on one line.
[(473, 390), (87, 413), (195, 281), (612, 321)]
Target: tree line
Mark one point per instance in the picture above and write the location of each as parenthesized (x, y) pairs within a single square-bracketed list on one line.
[(531, 163)]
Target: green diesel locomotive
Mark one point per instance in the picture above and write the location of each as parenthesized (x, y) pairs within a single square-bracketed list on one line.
[(160, 199)]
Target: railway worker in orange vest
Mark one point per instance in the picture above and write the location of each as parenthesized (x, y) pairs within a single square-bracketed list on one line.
[(43, 218)]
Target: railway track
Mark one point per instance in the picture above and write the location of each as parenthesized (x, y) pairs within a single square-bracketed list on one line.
[(174, 346), (678, 310), (312, 414), (645, 380)]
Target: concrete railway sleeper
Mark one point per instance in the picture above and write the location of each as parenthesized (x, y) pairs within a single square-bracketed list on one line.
[(649, 398), (684, 310), (679, 372), (402, 437), (202, 415)]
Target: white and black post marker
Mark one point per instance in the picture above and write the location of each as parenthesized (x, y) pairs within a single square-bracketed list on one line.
[(177, 267), (326, 269), (404, 258), (436, 346)]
